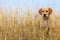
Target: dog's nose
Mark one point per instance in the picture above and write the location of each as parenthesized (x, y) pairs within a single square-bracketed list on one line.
[(44, 15)]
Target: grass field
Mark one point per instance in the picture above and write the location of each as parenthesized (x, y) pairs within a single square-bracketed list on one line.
[(25, 29)]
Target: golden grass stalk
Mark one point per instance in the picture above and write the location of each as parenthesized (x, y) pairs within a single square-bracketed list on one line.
[(27, 29)]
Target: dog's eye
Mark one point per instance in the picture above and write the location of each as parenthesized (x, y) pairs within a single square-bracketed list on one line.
[(42, 11), (46, 10)]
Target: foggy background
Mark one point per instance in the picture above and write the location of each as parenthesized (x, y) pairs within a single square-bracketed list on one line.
[(32, 5)]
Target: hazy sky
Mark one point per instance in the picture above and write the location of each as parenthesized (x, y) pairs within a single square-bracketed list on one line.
[(31, 4), (26, 3)]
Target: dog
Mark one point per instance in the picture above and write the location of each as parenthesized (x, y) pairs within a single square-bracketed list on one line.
[(45, 15), (49, 24), (45, 19)]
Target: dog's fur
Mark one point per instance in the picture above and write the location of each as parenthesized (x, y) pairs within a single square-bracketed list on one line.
[(48, 23), (45, 17)]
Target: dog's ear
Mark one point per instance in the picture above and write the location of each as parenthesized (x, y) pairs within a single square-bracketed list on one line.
[(50, 11), (40, 11)]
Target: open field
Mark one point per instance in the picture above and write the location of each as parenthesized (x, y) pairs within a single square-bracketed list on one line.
[(25, 29)]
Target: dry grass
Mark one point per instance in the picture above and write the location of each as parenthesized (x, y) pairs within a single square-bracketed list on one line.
[(27, 29)]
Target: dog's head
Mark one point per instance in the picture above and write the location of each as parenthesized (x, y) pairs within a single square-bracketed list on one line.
[(45, 12)]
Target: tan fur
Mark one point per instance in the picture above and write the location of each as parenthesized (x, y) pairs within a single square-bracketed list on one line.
[(48, 12), (53, 22)]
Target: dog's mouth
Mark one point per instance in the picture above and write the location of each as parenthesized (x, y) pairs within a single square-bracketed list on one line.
[(45, 18)]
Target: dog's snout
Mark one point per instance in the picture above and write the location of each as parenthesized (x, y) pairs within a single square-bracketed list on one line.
[(44, 15)]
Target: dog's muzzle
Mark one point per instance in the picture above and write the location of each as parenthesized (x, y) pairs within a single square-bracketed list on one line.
[(44, 16)]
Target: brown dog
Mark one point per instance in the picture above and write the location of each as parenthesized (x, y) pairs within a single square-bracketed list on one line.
[(45, 15)]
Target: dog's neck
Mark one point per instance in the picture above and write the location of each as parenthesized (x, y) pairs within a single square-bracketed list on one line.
[(45, 22)]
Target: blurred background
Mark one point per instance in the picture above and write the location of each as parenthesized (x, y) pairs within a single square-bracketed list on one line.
[(32, 5)]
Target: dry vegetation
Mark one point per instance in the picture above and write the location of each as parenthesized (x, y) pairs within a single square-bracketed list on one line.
[(27, 29)]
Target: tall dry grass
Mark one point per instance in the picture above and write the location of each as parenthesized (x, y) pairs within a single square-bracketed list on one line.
[(26, 29)]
